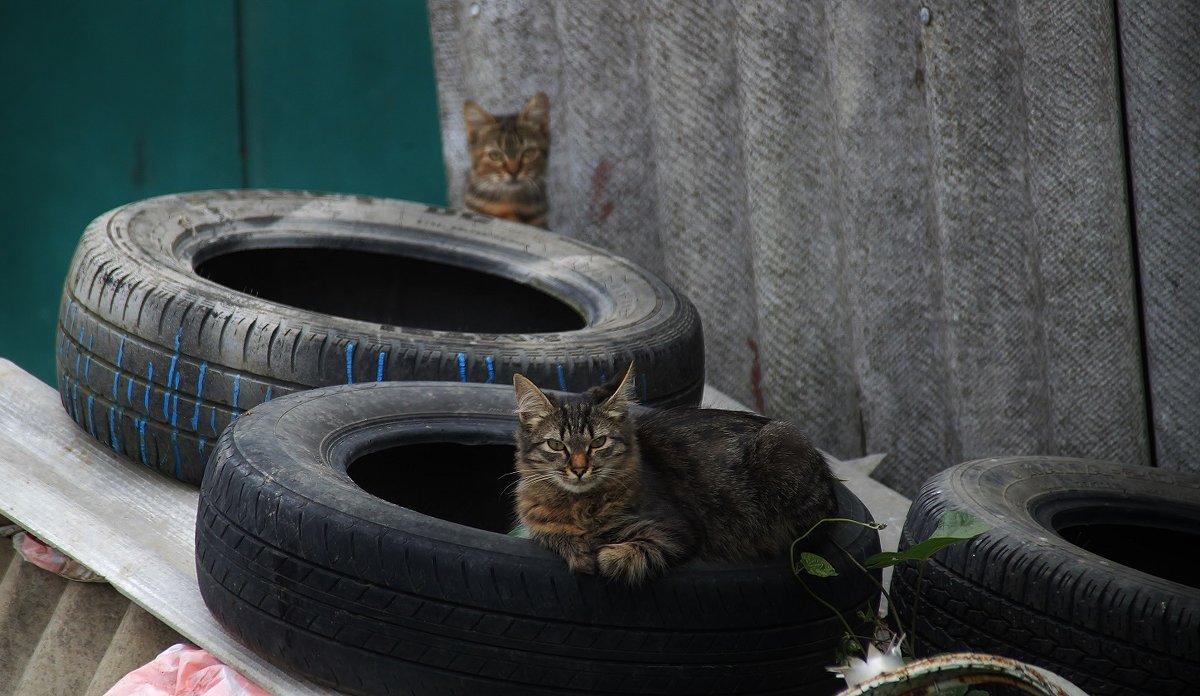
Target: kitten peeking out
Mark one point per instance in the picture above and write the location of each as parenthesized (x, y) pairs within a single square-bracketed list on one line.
[(507, 176), (630, 499)]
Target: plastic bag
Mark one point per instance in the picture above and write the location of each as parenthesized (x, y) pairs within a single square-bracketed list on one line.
[(185, 670), (47, 557)]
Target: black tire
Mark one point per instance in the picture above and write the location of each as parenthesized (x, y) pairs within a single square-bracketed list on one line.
[(181, 312), (375, 597), (1087, 571)]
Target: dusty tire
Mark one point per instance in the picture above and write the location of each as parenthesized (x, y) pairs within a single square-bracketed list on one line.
[(1085, 572), (181, 312), (375, 597)]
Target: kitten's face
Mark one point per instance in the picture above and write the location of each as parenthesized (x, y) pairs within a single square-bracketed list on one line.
[(577, 444), (509, 151)]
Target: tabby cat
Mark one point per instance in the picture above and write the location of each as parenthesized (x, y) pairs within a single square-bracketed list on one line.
[(629, 498), (507, 176)]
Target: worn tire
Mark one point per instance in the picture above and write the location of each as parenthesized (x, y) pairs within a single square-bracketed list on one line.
[(181, 312), (375, 597), (1086, 571)]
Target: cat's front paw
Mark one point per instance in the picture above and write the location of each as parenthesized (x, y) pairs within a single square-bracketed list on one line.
[(584, 563), (629, 562)]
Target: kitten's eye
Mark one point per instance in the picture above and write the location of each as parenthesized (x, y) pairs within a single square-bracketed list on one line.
[(495, 155), (598, 442), (529, 155), (555, 445)]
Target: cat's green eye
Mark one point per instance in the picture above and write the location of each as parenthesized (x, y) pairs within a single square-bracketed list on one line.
[(529, 155), (598, 442), (555, 445), (495, 155)]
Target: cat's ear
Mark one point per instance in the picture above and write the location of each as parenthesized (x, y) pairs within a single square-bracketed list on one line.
[(536, 113), (617, 405), (532, 405), (475, 117)]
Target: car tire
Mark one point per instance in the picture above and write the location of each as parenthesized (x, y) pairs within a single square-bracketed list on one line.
[(357, 534), (1086, 571), (181, 312)]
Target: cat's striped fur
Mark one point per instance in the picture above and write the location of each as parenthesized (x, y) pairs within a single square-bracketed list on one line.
[(507, 175), (630, 499)]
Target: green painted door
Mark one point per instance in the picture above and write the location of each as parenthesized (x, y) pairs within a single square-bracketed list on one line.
[(106, 103)]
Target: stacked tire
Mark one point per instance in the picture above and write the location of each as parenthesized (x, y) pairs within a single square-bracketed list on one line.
[(179, 313)]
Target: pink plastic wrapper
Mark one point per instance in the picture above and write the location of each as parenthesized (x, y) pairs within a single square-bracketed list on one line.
[(185, 670), (49, 558)]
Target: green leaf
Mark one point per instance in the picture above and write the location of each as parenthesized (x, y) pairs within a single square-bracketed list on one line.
[(813, 564), (953, 527), (959, 525)]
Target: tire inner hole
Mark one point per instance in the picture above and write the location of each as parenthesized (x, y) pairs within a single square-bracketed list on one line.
[(391, 290), (1159, 550), (468, 484)]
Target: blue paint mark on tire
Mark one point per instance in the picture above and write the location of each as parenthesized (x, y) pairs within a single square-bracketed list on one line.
[(112, 429), (129, 391), (121, 353), (174, 358), (174, 411), (149, 381), (491, 368), (269, 390), (462, 367), (91, 419), (141, 426), (562, 378), (202, 449), (212, 420), (379, 368), (349, 363), (81, 332), (199, 396), (237, 390), (116, 379)]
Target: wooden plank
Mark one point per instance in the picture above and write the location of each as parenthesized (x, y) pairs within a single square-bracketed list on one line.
[(131, 525)]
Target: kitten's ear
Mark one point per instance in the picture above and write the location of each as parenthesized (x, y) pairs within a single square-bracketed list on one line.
[(475, 118), (536, 113), (532, 405), (617, 405)]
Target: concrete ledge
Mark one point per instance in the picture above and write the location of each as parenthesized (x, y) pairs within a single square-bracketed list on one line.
[(132, 526)]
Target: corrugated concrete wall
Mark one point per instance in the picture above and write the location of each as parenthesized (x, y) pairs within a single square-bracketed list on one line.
[(906, 225), (59, 637)]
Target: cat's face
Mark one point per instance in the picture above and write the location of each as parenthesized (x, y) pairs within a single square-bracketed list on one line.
[(509, 150), (576, 444)]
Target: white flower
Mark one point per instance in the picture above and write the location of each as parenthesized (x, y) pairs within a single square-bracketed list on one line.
[(857, 670)]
